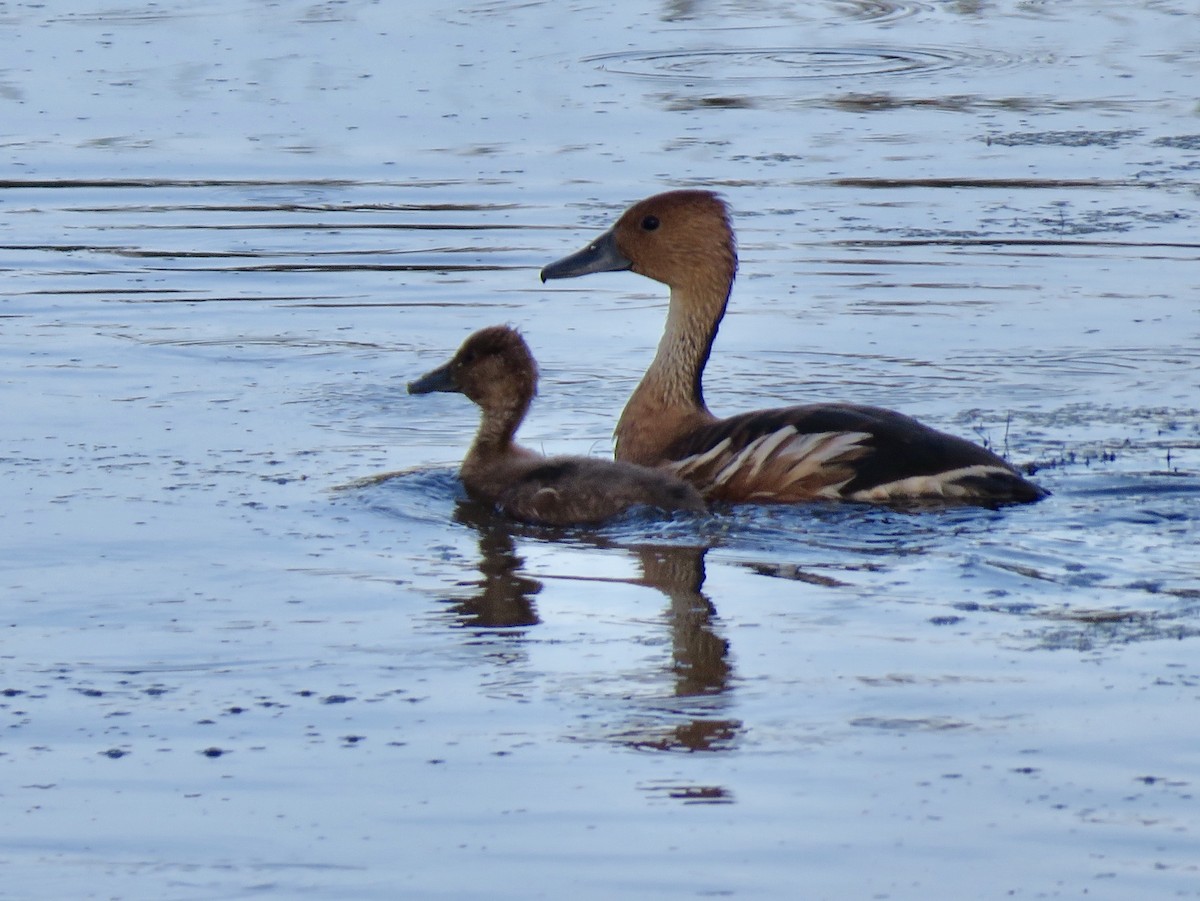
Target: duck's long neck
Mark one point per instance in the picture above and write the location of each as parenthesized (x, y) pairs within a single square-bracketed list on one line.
[(498, 426), (675, 377), (670, 397)]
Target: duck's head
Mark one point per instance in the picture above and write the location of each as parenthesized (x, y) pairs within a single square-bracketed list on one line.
[(676, 238), (493, 367)]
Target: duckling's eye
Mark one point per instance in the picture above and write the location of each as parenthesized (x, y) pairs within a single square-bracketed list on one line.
[(650, 223)]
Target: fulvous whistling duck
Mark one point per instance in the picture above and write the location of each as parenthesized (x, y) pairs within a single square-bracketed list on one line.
[(495, 369), (837, 451)]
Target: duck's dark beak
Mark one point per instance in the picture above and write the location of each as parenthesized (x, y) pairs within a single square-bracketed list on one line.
[(602, 255), (440, 379)]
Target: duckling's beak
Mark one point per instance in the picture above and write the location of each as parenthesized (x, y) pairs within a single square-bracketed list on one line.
[(440, 379), (602, 255)]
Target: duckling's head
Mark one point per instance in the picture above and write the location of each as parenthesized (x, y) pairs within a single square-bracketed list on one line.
[(493, 367), (680, 238)]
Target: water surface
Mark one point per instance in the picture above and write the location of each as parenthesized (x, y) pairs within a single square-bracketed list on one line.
[(236, 664)]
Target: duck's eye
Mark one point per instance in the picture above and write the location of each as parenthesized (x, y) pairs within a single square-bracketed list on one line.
[(650, 223)]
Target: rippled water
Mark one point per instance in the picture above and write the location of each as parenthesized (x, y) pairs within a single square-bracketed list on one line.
[(238, 663)]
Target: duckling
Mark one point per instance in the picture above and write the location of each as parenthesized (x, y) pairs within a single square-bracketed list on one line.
[(684, 239), (496, 370)]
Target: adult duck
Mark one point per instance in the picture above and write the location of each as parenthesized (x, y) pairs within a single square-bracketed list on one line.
[(790, 454), (496, 370)]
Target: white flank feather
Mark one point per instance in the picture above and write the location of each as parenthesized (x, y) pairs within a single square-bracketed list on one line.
[(942, 484), (804, 453), (696, 461)]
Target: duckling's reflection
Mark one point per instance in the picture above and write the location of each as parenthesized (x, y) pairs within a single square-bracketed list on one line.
[(505, 597), (700, 657)]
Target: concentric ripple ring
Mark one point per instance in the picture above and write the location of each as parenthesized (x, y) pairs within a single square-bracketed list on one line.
[(790, 63)]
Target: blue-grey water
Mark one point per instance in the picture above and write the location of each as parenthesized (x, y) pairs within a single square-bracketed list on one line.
[(236, 664)]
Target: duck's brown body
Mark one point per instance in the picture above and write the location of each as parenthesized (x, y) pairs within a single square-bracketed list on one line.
[(837, 451), (495, 369)]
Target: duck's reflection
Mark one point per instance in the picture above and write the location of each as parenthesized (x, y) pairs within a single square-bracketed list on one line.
[(700, 655), (700, 659), (689, 717)]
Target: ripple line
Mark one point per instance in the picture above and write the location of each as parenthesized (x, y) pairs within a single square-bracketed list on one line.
[(792, 63)]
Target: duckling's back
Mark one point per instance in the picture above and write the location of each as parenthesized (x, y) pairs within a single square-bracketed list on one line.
[(584, 490)]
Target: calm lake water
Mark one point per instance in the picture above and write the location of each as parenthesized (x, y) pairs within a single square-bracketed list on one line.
[(234, 665)]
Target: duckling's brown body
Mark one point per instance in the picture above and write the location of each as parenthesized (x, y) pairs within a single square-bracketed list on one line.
[(495, 369), (837, 451)]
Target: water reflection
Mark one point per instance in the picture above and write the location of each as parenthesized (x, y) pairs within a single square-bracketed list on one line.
[(700, 656), (700, 661), (690, 715), (505, 596)]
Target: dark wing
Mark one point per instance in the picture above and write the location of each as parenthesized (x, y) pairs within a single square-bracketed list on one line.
[(840, 451)]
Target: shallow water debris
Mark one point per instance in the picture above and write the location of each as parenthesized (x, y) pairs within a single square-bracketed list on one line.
[(702, 795), (1094, 615), (946, 620), (795, 573), (904, 724)]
